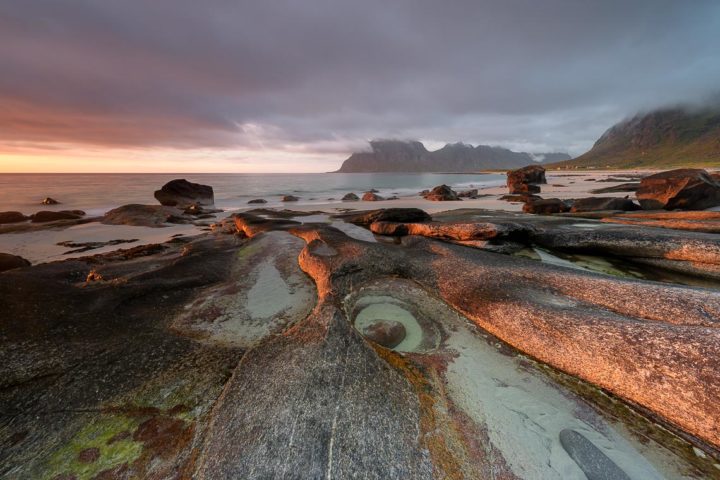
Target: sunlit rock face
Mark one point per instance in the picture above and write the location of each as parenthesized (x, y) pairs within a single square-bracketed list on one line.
[(526, 180), (685, 188)]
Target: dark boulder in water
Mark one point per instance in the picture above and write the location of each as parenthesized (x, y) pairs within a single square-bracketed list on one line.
[(290, 198), (350, 197), (472, 193), (12, 217), (371, 197), (143, 216), (48, 216), (256, 201), (181, 193), (441, 193)]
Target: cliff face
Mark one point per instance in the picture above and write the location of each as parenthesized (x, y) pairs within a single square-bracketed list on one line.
[(660, 139), (400, 156)]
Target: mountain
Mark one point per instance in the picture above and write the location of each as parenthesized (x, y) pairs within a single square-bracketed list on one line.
[(412, 156), (670, 137)]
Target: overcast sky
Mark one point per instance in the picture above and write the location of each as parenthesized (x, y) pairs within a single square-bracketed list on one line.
[(297, 85)]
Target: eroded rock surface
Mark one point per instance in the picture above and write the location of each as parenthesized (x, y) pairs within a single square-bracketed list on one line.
[(594, 327), (265, 293), (217, 357), (336, 411)]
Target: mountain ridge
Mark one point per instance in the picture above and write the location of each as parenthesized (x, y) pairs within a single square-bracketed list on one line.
[(668, 137), (412, 156)]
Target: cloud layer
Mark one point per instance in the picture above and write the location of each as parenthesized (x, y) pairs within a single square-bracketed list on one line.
[(325, 75)]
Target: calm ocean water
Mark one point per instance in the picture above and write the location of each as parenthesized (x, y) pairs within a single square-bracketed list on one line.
[(98, 193)]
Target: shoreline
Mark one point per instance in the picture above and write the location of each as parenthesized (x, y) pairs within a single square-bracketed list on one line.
[(39, 244)]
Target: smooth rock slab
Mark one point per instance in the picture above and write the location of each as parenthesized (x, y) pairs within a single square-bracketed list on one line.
[(317, 402)]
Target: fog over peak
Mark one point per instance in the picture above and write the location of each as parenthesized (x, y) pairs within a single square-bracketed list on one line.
[(324, 76)]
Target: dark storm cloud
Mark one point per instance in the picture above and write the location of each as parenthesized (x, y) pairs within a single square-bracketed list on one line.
[(327, 75)]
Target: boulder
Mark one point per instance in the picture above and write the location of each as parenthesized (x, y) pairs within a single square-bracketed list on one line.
[(143, 216), (48, 216), (181, 193), (388, 333), (526, 179), (593, 204), (9, 262), (546, 206), (472, 193), (49, 201), (684, 188), (257, 200), (289, 198), (12, 217), (441, 193), (405, 215), (371, 197), (350, 197)]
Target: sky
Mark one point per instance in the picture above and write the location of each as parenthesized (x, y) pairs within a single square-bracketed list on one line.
[(294, 86)]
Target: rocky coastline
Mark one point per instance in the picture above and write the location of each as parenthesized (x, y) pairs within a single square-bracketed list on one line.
[(555, 338)]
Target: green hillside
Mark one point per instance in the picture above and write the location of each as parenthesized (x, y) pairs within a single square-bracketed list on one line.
[(666, 138)]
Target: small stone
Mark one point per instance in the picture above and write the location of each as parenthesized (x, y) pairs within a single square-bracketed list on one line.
[(49, 201), (290, 198), (388, 333), (591, 460), (371, 197), (350, 197), (89, 455), (93, 276), (257, 200)]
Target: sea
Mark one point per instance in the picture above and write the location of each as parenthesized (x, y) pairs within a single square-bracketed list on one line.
[(98, 193)]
